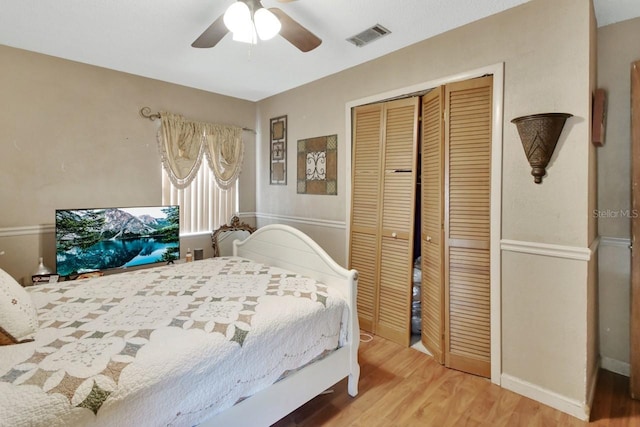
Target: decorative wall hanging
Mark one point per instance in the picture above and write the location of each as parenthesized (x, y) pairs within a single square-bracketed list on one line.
[(318, 165), (599, 117), (278, 150), (539, 134)]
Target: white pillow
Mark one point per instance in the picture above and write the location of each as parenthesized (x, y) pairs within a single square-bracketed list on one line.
[(18, 315)]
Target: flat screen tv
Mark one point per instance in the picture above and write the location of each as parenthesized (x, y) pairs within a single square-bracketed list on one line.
[(109, 238)]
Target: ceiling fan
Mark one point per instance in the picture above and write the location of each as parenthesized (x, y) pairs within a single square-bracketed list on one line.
[(290, 29)]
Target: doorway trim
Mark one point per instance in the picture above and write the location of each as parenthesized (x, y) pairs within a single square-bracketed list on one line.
[(497, 70), (634, 314)]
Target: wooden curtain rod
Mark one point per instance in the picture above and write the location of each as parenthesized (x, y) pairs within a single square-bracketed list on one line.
[(147, 114)]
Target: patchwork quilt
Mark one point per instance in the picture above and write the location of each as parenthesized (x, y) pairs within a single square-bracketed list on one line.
[(171, 345)]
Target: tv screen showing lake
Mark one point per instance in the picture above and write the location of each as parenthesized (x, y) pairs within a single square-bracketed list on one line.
[(103, 239), (113, 254)]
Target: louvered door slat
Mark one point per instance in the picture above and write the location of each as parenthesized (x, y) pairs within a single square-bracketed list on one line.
[(398, 193), (366, 169), (362, 250), (467, 225), (400, 134), (432, 297), (477, 321), (395, 295)]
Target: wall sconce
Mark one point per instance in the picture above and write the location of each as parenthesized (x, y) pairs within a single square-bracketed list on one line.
[(539, 134)]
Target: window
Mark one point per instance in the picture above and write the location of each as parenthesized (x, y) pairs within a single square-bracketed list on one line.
[(203, 205)]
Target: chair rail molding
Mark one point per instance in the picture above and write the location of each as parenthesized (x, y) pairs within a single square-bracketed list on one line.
[(27, 230), (51, 228), (551, 250), (621, 242), (300, 220)]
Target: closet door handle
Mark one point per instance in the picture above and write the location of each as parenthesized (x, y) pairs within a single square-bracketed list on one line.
[(429, 239), (394, 234)]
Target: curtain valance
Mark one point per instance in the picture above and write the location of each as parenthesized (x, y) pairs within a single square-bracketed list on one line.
[(182, 144)]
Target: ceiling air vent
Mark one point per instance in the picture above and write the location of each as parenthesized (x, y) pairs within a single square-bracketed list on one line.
[(368, 35)]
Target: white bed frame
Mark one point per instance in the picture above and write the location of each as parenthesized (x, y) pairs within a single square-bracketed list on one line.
[(286, 247)]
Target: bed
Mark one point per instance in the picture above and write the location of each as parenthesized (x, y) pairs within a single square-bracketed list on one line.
[(229, 341)]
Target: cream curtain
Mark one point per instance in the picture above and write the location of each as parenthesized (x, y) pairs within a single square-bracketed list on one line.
[(182, 144), (224, 151)]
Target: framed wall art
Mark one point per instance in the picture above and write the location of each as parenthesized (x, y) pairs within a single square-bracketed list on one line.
[(278, 150), (318, 165)]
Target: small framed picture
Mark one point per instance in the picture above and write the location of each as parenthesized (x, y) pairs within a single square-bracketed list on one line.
[(278, 151), (277, 129)]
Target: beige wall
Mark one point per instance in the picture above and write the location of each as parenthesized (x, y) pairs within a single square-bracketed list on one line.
[(71, 137), (545, 337), (546, 48), (617, 49)]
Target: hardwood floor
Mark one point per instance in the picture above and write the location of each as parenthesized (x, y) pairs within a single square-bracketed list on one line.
[(404, 387)]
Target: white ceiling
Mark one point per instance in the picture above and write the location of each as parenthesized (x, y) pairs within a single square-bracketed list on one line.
[(152, 38)]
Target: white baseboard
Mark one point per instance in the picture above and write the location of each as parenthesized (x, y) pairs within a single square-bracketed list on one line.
[(557, 401), (617, 366), (591, 387)]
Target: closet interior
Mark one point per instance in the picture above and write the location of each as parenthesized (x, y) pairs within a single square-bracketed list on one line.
[(420, 223)]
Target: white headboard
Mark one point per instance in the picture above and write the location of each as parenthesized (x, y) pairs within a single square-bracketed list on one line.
[(289, 248)]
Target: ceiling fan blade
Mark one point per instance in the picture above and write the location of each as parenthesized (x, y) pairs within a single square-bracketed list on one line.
[(212, 35), (295, 33)]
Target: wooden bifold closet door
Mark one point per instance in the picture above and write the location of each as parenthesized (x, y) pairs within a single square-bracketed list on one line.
[(365, 210), (455, 218), (382, 214), (467, 225), (456, 177), (432, 296)]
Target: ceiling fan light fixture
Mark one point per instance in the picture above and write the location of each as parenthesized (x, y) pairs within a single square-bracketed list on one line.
[(248, 20), (266, 23), (246, 34), (237, 16)]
